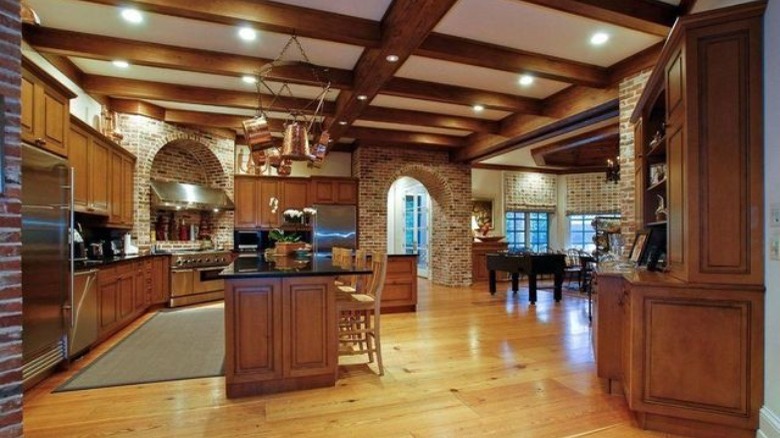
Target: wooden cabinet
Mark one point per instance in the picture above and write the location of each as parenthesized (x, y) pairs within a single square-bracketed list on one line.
[(293, 193), (331, 190), (479, 252), (108, 297), (246, 196), (103, 175), (268, 214), (161, 280), (400, 291), (253, 197), (45, 110), (126, 285), (280, 334)]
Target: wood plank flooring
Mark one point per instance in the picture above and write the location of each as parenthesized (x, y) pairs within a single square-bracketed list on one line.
[(467, 364)]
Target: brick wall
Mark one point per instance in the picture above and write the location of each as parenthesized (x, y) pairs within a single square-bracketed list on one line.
[(590, 193), (449, 186), (10, 226), (185, 153), (629, 91)]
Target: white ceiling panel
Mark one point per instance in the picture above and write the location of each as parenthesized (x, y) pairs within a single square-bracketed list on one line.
[(430, 106), (216, 109), (413, 128), (105, 20), (156, 74), (452, 73), (533, 28), (368, 9)]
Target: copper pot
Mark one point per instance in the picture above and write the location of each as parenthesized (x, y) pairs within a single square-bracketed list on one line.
[(296, 142), (257, 134)]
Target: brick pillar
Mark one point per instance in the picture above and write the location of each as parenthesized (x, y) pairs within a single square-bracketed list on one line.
[(629, 92), (10, 226)]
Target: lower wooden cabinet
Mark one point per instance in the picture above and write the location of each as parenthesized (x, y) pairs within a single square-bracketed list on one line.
[(160, 288), (689, 358), (400, 291), (479, 252), (280, 334)]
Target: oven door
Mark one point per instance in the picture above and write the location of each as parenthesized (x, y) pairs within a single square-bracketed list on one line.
[(182, 282), (207, 279)]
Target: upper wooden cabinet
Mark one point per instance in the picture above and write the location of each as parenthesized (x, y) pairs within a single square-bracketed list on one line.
[(103, 175), (293, 193), (45, 110), (331, 190), (703, 105)]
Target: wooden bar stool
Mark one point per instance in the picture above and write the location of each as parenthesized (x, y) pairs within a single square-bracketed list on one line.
[(356, 283), (359, 316)]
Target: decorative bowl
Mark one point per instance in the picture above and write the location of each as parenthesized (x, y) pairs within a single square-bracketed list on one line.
[(302, 253), (489, 238)]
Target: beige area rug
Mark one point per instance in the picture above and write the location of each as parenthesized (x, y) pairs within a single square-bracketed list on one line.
[(172, 345)]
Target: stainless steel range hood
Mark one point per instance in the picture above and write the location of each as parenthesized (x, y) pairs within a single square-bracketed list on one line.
[(169, 195)]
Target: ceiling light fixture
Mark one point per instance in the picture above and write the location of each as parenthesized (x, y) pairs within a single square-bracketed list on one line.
[(392, 58), (599, 38), (249, 79), (120, 63), (362, 97), (132, 15), (478, 108), (526, 80), (342, 122), (247, 33)]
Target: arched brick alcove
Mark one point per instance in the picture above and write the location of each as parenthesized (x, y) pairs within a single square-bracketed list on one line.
[(449, 186), (206, 156)]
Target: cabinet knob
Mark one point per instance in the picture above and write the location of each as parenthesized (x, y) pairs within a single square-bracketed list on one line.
[(40, 141)]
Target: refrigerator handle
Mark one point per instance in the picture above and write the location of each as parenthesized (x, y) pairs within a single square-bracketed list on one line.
[(71, 241)]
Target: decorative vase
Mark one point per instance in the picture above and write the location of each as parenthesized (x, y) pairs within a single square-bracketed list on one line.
[(287, 248)]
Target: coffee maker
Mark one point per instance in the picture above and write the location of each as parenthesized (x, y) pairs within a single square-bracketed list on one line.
[(79, 247)]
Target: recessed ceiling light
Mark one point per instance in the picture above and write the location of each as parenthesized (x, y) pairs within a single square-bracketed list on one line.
[(392, 58), (247, 34), (526, 80), (478, 108), (599, 38), (249, 79), (342, 122), (120, 63), (132, 15), (362, 97)]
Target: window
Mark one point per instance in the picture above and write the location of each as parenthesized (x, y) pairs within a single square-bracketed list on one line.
[(581, 231), (528, 230)]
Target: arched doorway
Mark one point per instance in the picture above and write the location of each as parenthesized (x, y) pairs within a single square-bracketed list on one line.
[(408, 221)]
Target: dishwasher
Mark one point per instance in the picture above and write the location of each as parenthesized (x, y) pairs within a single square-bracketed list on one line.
[(83, 323)]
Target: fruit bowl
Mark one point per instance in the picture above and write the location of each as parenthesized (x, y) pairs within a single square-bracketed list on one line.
[(489, 238)]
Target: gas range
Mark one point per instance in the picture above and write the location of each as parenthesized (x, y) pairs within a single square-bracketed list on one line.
[(200, 259)]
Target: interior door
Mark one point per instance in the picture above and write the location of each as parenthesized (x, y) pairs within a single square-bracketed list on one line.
[(416, 229)]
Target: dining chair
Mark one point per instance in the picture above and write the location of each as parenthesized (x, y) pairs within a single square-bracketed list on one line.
[(359, 316), (356, 283)]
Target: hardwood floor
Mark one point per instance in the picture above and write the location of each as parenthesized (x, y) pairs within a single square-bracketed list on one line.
[(466, 364)]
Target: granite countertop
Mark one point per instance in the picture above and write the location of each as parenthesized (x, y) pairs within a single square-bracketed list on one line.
[(249, 267), (83, 265)]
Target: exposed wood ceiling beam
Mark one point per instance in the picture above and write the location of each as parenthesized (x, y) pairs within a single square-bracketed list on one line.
[(420, 118), (132, 88), (564, 171), (461, 50), (266, 15), (444, 93), (390, 136), (644, 60), (215, 120), (62, 42), (137, 107), (404, 28), (539, 154), (686, 6), (647, 16)]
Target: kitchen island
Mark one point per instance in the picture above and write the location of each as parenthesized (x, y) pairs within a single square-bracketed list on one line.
[(280, 324)]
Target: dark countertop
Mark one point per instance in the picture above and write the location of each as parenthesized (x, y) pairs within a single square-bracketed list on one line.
[(401, 255), (250, 267), (83, 265)]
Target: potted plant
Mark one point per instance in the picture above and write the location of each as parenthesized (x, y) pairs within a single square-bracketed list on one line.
[(286, 243), (292, 216)]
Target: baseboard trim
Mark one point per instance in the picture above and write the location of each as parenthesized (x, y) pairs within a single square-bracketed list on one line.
[(769, 424)]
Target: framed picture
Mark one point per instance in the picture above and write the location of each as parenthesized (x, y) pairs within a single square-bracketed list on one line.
[(637, 254), (482, 214), (657, 173)]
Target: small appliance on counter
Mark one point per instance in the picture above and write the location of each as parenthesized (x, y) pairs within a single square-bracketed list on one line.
[(247, 242), (79, 247), (96, 250), (129, 248)]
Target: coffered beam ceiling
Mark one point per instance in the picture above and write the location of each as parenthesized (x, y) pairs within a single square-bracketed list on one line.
[(605, 138)]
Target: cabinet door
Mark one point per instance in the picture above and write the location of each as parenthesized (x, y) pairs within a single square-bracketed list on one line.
[(246, 200), (322, 192), (346, 192), (78, 142), (294, 194), (107, 299), (400, 283), (99, 158), (267, 189), (309, 326), (126, 295), (28, 109), (128, 192), (253, 312), (115, 200), (55, 120), (139, 299)]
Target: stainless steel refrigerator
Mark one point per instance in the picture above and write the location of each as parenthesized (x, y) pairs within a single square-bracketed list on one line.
[(334, 226), (46, 261)]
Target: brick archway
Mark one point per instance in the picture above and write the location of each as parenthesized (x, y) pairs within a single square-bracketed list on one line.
[(186, 160), (449, 186)]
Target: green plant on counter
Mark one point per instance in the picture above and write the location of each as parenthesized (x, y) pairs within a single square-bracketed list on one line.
[(278, 235)]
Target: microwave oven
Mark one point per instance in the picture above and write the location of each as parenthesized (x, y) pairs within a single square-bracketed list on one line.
[(246, 241)]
